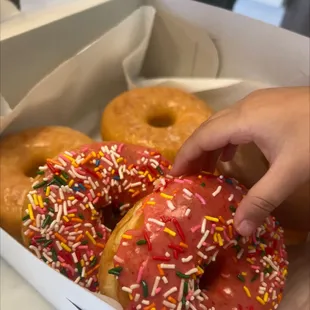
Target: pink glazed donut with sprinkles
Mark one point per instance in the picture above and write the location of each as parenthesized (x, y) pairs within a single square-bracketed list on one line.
[(78, 196), (178, 249)]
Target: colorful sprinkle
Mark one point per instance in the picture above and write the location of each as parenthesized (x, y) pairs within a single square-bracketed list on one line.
[(182, 275), (212, 219), (247, 291), (170, 232), (145, 289), (141, 242)]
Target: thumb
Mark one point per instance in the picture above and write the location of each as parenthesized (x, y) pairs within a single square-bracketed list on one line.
[(266, 195)]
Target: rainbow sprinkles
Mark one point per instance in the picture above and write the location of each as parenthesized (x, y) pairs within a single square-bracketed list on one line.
[(63, 223), (178, 246)]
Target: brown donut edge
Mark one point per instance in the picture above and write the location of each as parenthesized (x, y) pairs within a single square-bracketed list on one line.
[(108, 284)]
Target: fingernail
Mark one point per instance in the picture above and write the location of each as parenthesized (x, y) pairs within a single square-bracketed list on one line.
[(246, 228)]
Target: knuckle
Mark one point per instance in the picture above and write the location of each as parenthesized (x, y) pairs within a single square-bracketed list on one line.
[(262, 204), (258, 93), (254, 99), (219, 114)]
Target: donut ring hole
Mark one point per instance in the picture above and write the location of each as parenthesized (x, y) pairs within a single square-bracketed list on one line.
[(212, 273), (161, 120), (31, 170), (111, 215)]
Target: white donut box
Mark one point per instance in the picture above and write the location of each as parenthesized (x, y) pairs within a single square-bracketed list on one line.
[(61, 67)]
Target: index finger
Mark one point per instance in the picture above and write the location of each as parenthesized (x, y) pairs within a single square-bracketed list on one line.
[(221, 130)]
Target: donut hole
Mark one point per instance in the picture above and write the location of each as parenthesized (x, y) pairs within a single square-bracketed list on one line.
[(162, 120), (111, 215), (212, 273), (31, 171)]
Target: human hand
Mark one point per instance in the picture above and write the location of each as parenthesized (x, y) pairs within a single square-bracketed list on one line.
[(277, 121)]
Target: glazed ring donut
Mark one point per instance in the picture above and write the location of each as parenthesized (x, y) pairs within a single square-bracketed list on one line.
[(248, 166), (63, 219), (177, 249), (20, 155), (157, 117)]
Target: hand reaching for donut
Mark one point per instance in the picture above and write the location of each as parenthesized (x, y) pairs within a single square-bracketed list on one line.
[(277, 121)]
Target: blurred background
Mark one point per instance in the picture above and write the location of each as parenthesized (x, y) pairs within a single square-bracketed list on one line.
[(290, 14)]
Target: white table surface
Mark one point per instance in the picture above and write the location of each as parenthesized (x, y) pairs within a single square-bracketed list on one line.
[(16, 293)]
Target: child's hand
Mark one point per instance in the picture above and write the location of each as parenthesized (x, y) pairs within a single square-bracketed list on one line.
[(278, 122)]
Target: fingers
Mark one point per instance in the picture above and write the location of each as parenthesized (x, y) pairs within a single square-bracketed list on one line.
[(277, 184), (229, 152), (202, 148)]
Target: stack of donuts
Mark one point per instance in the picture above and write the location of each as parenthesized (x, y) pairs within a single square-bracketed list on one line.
[(108, 216)]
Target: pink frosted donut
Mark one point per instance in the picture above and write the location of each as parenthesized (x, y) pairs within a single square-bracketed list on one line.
[(178, 249), (64, 218)]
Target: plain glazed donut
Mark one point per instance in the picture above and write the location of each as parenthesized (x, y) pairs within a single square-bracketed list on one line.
[(20, 155), (177, 249), (248, 166), (63, 222), (156, 117)]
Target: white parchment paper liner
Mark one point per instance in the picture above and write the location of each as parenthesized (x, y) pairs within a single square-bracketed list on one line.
[(64, 95)]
